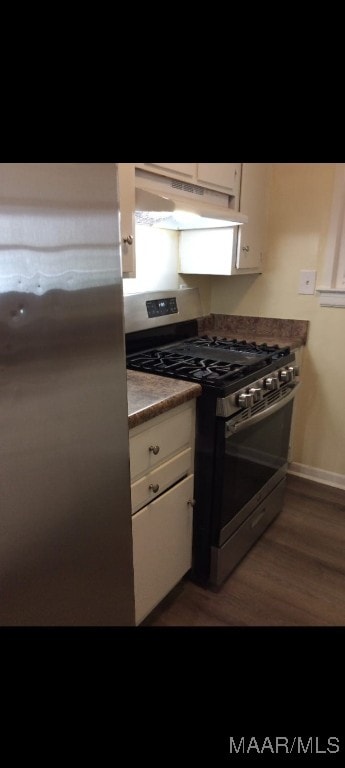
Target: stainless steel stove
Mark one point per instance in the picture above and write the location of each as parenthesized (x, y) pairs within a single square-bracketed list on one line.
[(243, 421)]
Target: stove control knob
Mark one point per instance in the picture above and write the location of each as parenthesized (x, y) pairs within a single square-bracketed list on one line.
[(285, 375), (257, 393), (246, 400), (294, 370), (271, 382)]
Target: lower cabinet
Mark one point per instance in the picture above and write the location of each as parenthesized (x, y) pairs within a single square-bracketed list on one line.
[(162, 546), (162, 484)]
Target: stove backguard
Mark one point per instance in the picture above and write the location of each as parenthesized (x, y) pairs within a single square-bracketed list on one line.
[(155, 309)]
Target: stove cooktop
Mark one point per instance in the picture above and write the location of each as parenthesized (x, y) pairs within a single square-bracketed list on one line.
[(209, 360)]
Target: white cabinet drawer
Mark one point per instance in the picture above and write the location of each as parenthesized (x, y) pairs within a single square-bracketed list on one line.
[(162, 546), (158, 480), (156, 443)]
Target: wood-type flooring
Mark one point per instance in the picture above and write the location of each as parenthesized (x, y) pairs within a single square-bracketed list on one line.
[(293, 576)]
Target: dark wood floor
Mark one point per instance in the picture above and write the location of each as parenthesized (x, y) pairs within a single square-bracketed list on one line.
[(293, 576)]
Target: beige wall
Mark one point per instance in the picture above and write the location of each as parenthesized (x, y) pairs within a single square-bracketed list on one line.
[(299, 209)]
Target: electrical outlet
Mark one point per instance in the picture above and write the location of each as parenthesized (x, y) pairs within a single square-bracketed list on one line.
[(307, 280)]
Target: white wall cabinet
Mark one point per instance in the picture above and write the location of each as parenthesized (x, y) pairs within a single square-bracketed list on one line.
[(126, 179), (235, 250), (225, 176), (253, 202), (208, 251), (162, 481), (222, 177), (229, 251)]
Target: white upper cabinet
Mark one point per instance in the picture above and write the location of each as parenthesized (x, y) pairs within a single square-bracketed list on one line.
[(253, 202), (126, 179), (231, 251), (208, 251), (236, 250), (222, 177), (179, 169)]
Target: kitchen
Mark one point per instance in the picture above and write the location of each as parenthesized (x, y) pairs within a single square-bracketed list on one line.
[(298, 220), (300, 205), (296, 206)]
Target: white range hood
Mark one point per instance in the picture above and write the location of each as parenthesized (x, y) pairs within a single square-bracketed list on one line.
[(170, 204)]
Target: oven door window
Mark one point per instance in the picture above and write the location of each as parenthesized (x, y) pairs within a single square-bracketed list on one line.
[(249, 462)]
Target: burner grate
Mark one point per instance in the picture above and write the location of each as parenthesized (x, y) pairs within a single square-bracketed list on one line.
[(211, 361)]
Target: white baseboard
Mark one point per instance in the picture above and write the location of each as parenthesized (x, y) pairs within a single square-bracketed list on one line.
[(318, 475)]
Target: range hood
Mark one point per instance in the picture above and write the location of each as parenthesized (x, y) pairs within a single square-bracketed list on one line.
[(171, 204)]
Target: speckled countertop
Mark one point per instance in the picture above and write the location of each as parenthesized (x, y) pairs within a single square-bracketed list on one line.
[(149, 395), (271, 330)]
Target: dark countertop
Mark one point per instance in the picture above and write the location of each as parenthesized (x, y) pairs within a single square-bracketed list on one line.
[(150, 395), (271, 330)]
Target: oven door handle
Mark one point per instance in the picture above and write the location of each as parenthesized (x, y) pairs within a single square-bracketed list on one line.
[(233, 427)]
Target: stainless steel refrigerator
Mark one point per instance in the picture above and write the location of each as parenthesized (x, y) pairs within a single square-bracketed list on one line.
[(65, 518)]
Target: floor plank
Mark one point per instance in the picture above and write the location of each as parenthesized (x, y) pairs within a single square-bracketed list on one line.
[(293, 576)]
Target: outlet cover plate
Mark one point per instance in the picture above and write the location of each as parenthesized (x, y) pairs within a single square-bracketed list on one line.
[(307, 281)]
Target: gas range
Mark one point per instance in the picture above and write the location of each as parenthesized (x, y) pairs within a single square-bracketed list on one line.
[(161, 339), (243, 422)]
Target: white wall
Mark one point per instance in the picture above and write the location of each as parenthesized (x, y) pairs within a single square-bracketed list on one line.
[(157, 265)]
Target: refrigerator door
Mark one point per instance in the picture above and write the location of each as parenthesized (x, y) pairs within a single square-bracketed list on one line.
[(65, 518)]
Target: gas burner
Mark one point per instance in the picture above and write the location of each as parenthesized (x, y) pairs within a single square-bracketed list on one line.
[(202, 369), (250, 347), (214, 362)]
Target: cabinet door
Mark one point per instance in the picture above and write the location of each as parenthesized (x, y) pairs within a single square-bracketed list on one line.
[(184, 169), (162, 546), (253, 202), (222, 175), (127, 221), (208, 251)]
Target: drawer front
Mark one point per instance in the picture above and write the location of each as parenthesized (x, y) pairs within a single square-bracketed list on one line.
[(158, 442), (162, 546), (160, 479)]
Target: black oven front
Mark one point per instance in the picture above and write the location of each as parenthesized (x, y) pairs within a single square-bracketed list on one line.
[(239, 490)]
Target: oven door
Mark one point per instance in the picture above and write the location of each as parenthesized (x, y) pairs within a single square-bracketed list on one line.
[(251, 459)]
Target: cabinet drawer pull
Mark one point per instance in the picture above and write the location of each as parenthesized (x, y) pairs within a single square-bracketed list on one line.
[(154, 487), (245, 248), (154, 449), (129, 239), (191, 502)]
